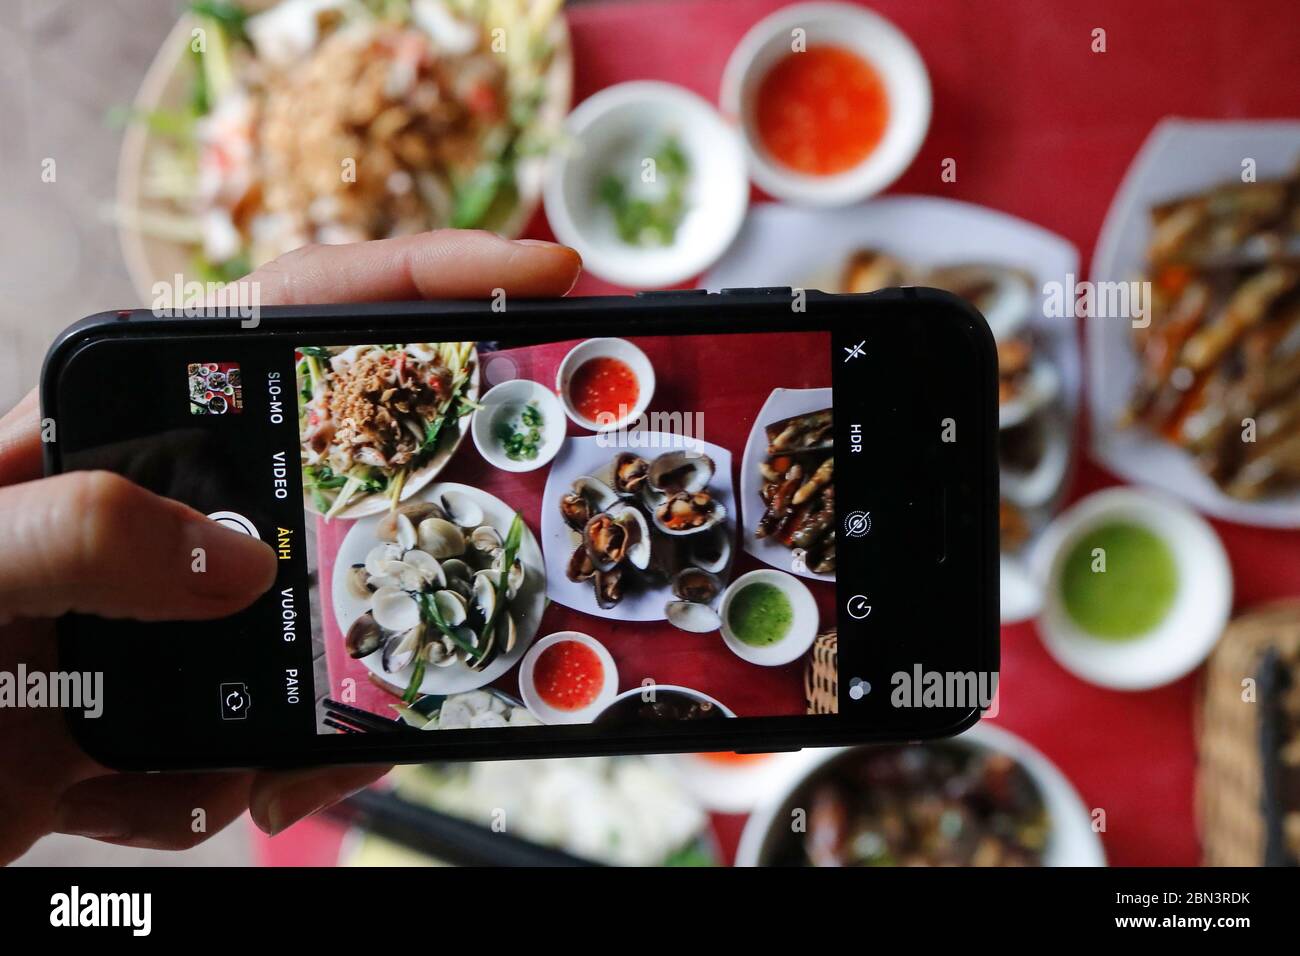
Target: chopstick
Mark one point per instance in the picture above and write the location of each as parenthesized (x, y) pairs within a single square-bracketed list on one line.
[(444, 837), (356, 719)]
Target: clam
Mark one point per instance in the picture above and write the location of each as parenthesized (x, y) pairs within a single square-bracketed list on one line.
[(515, 579), (693, 617), (617, 534), (441, 652), (680, 470), (364, 637), (630, 472), (426, 566), (379, 554), (400, 649), (394, 609), (710, 551), (587, 496), (462, 510), (485, 538), (455, 569), (1040, 387), (688, 513), (609, 587), (506, 623), (453, 608), (576, 510), (696, 585), (484, 598), (580, 567), (358, 581), (441, 538), (413, 511)]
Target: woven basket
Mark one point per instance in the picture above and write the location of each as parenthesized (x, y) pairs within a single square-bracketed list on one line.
[(820, 680), (1246, 747)]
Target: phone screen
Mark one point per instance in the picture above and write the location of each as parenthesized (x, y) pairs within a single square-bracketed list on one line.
[(545, 536)]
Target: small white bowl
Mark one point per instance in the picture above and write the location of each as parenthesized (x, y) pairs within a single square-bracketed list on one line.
[(1189, 631), (803, 626), (504, 400), (690, 692), (544, 711), (876, 40), (614, 131), (620, 349)]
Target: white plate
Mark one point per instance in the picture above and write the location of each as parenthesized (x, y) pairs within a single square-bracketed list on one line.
[(591, 455), (738, 787), (528, 605), (1179, 157), (373, 504), (544, 711), (1070, 842), (782, 403), (786, 245)]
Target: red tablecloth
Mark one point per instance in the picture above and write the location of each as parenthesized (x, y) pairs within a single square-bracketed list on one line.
[(1043, 128), (728, 387)]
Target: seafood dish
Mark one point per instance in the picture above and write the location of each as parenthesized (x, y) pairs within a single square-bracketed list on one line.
[(330, 121), (370, 417), (798, 489), (440, 588), (669, 704), (1219, 360), (937, 804), (646, 524)]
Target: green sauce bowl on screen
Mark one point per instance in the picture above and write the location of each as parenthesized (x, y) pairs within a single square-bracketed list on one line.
[(769, 617), (1137, 589)]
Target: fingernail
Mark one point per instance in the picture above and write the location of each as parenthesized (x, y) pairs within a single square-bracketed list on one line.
[(98, 821), (537, 242), (226, 563)]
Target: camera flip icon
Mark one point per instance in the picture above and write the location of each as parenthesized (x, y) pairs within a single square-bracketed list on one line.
[(235, 701)]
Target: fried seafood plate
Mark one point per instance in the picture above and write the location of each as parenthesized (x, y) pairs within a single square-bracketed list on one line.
[(799, 490), (1220, 360)]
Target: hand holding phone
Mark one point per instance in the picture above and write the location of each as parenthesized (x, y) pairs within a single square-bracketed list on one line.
[(80, 542)]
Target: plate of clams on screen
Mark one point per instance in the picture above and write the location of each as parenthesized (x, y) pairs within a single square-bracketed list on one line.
[(1001, 264), (640, 534)]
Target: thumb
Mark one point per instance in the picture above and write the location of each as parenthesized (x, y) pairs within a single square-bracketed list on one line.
[(95, 543)]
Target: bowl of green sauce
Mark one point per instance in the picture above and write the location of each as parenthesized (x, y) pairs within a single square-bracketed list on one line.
[(769, 617), (1137, 589)]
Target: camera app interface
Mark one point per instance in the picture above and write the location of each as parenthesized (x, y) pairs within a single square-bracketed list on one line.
[(611, 531)]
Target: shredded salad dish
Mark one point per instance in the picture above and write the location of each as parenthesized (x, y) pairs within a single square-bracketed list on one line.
[(378, 422), (290, 122)]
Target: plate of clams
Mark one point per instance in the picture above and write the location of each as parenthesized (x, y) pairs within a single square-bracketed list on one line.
[(442, 595), (640, 533)]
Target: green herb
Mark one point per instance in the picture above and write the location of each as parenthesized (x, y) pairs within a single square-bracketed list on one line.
[(477, 195), (231, 16), (315, 351), (433, 617), (417, 678), (643, 221), (514, 538), (522, 443)]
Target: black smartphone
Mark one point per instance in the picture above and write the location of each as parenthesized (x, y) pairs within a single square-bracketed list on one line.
[(751, 521)]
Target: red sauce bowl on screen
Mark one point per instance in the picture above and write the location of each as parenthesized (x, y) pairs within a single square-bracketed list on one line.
[(567, 678), (605, 383)]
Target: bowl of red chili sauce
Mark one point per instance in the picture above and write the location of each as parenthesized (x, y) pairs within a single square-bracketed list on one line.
[(567, 678), (605, 383), (833, 102)]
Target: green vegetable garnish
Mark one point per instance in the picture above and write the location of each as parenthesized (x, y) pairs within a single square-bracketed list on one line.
[(643, 221)]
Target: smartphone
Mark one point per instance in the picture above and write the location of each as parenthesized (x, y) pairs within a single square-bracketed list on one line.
[(750, 521)]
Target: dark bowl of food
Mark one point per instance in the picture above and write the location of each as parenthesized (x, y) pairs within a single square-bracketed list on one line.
[(983, 799), (660, 703)]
